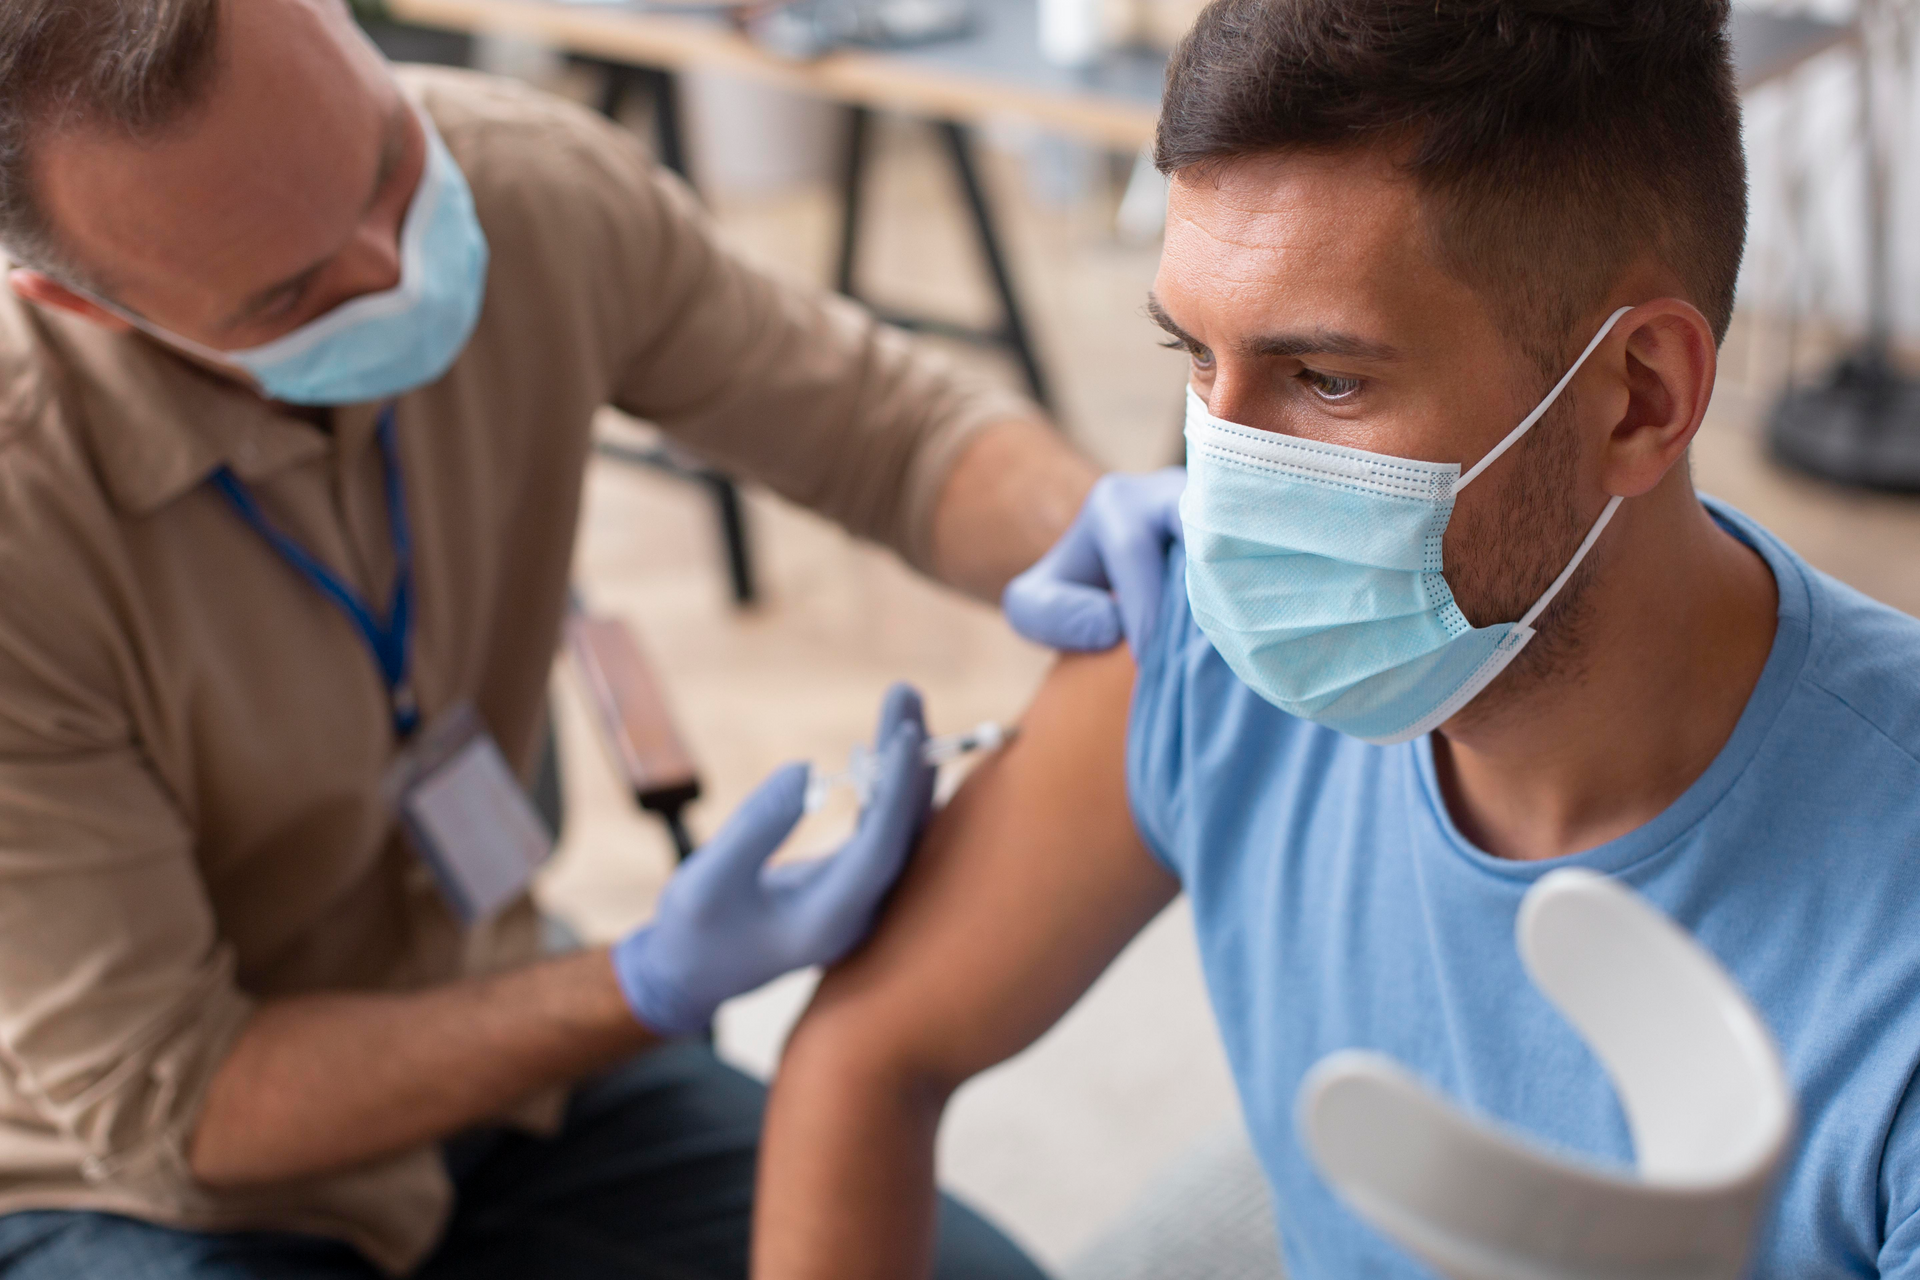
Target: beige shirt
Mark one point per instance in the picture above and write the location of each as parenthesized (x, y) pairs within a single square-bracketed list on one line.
[(192, 738)]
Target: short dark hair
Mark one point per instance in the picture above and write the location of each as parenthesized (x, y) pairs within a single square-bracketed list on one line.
[(1553, 142), (132, 66)]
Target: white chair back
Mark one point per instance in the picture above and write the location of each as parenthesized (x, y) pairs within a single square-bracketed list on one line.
[(1698, 1076)]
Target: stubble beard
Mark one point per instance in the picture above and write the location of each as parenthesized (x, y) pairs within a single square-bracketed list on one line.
[(1507, 562)]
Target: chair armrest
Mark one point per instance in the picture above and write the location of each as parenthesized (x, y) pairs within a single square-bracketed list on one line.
[(633, 714)]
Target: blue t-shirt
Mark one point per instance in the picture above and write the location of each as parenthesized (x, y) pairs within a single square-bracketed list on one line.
[(1338, 907)]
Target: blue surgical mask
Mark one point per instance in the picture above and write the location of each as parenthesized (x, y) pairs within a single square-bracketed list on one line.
[(1315, 571), (380, 345)]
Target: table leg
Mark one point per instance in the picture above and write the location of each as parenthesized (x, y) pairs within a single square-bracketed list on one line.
[(669, 136), (959, 142), (727, 504), (613, 87), (853, 177), (733, 532), (1012, 333)]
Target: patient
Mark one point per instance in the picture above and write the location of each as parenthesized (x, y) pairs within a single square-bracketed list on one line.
[(1391, 687)]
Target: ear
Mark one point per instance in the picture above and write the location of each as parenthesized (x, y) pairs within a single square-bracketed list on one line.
[(48, 292), (1670, 360)]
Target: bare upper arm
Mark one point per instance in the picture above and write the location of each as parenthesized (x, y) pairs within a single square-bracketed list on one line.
[(1023, 890)]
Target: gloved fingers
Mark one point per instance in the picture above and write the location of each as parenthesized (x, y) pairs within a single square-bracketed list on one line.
[(902, 708), (1104, 580), (902, 705), (1062, 615), (792, 878), (1168, 484), (1062, 601), (903, 775), (1134, 519), (855, 879), (1076, 556), (646, 971), (728, 866)]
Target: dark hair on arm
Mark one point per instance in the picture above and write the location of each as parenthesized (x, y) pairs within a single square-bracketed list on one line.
[(132, 66), (1554, 142)]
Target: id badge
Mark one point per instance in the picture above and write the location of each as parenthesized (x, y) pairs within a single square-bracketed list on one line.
[(466, 815)]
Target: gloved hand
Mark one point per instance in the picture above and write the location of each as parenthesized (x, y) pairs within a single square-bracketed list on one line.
[(1103, 579), (728, 923)]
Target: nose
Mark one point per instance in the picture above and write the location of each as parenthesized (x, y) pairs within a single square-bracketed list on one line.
[(1230, 398), (371, 261)]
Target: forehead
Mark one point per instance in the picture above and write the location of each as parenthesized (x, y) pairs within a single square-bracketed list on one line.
[(262, 178), (1336, 239)]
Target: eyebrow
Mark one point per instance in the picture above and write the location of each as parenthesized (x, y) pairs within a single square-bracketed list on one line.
[(392, 147), (1319, 342)]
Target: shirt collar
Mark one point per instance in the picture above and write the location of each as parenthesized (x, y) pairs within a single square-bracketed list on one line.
[(158, 425)]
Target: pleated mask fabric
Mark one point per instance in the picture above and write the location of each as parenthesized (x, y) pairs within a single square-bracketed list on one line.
[(1316, 572)]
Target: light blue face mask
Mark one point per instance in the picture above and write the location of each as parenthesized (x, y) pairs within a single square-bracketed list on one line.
[(1315, 571), (383, 344)]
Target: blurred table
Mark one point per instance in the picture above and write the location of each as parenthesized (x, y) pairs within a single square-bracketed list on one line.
[(1768, 44), (993, 71)]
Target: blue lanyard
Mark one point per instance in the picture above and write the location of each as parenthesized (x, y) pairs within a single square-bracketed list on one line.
[(391, 644)]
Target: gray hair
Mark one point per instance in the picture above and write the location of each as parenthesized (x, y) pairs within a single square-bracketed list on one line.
[(121, 66)]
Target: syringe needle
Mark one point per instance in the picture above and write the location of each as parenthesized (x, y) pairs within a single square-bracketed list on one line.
[(863, 765)]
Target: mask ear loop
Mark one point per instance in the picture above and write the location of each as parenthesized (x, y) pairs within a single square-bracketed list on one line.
[(1513, 438), (1593, 536), (1526, 425)]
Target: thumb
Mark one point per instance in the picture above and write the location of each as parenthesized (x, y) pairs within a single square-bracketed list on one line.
[(859, 875), (729, 865), (1062, 615)]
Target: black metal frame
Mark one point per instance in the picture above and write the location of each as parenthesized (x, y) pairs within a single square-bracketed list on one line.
[(1012, 333), (726, 500)]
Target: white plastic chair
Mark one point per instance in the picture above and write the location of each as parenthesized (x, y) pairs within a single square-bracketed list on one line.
[(1698, 1075)]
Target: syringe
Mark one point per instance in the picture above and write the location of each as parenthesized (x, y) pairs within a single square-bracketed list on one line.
[(863, 766)]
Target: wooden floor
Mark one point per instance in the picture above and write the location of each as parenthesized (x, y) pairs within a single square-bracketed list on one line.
[(1056, 1142)]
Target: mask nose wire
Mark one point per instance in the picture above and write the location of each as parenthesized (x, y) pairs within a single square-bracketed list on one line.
[(1513, 436)]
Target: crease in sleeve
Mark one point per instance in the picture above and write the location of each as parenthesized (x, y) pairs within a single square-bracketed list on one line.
[(117, 996), (138, 1136)]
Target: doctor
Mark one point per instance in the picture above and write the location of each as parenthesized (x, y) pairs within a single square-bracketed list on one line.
[(300, 358)]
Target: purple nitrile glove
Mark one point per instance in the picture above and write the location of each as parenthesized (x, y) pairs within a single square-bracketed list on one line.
[(1102, 581), (728, 923)]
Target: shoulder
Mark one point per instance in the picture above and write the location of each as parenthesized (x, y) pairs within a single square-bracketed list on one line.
[(61, 541), (583, 227), (520, 147), (1862, 666), (1868, 660), (479, 113), (45, 463)]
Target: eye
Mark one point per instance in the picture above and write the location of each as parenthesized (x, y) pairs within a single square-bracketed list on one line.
[(1201, 357), (1328, 387), (283, 304)]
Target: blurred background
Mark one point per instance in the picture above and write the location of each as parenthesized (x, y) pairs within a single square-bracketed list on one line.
[(972, 167)]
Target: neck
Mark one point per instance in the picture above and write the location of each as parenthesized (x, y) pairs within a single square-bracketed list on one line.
[(1678, 625)]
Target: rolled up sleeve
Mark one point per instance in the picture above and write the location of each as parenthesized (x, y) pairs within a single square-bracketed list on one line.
[(801, 390), (117, 1000)]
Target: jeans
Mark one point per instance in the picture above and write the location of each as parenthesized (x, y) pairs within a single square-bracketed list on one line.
[(650, 1178)]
